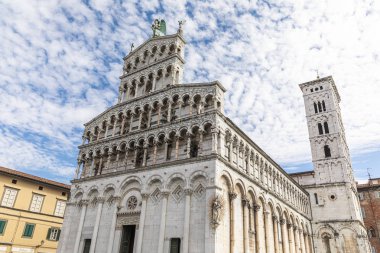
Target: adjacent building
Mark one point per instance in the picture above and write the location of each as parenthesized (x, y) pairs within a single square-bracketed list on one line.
[(164, 170), (31, 212), (369, 196)]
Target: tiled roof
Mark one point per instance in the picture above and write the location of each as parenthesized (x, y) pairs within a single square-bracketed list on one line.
[(35, 178)]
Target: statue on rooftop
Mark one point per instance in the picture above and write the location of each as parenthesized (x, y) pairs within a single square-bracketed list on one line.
[(159, 28)]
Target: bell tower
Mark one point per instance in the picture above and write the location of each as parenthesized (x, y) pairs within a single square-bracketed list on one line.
[(330, 153), (337, 219)]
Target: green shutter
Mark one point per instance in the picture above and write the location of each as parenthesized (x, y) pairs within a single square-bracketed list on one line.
[(2, 226), (28, 231), (58, 235), (48, 234)]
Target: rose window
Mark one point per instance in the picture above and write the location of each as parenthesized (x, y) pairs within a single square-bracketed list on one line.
[(132, 203)]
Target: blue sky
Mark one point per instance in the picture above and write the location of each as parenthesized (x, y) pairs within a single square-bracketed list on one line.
[(61, 61)]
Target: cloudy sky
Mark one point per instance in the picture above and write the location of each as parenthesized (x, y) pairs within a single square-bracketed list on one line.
[(60, 63)]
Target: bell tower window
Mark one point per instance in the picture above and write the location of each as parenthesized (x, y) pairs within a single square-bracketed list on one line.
[(320, 129), (327, 151), (315, 108), (326, 126), (319, 107), (324, 106)]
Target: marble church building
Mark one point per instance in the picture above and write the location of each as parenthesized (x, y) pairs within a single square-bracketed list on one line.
[(165, 171)]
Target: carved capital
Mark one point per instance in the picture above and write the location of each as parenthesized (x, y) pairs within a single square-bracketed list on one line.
[(232, 195), (245, 202), (282, 221), (256, 208), (274, 217), (188, 191), (289, 225)]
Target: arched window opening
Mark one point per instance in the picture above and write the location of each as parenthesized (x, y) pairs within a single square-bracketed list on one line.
[(319, 107), (326, 126), (315, 108), (326, 242), (323, 105), (320, 129), (139, 157), (316, 198), (327, 151), (169, 151), (193, 149)]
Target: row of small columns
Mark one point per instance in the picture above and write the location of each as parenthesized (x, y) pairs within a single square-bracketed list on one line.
[(294, 240), (124, 93), (291, 196), (199, 109), (82, 162)]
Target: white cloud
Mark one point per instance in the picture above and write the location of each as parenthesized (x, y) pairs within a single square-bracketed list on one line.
[(60, 67)]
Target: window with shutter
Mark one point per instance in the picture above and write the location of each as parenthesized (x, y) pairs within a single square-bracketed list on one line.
[(28, 230), (53, 234), (3, 223)]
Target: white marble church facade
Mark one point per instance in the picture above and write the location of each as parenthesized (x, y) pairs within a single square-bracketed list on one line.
[(164, 170)]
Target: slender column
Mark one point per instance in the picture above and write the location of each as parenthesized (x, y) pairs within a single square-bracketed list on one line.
[(98, 136), (191, 107), (275, 234), (83, 140), (252, 230), (200, 149), (113, 226), (80, 225), (91, 136), (122, 125), (176, 147), (121, 93), (186, 231), (126, 158), (169, 111), (135, 156), (232, 196), (92, 166), (247, 163), (77, 171), (130, 125), (260, 239), (142, 222), (100, 164), (149, 117), (188, 145), (140, 119), (291, 238), (127, 92), (214, 140), (285, 240), (237, 155), (268, 233), (231, 152), (309, 243), (108, 159), (154, 151), (145, 154), (296, 240), (96, 226), (117, 157), (161, 236), (245, 203), (154, 83), (166, 148), (159, 114), (302, 241), (114, 128), (106, 133)]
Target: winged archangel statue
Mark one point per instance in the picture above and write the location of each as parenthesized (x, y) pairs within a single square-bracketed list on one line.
[(159, 28)]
